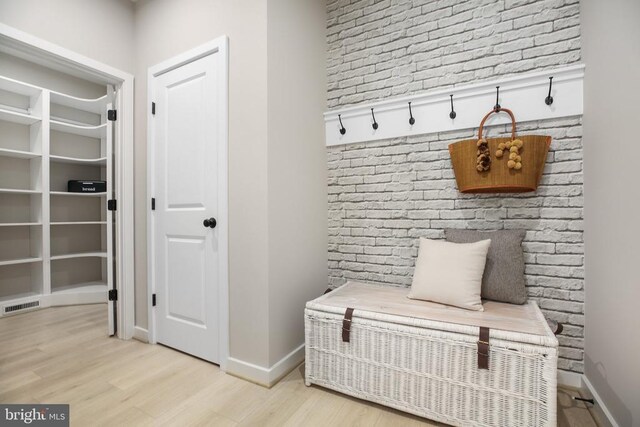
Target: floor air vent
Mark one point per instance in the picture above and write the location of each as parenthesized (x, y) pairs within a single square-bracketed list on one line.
[(23, 306)]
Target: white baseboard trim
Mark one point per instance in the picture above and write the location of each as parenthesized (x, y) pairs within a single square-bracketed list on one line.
[(569, 379), (267, 377), (140, 334), (603, 412)]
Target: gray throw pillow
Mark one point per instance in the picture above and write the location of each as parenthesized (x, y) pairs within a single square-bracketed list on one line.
[(503, 278)]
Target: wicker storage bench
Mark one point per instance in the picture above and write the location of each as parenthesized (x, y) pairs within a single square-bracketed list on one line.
[(422, 357)]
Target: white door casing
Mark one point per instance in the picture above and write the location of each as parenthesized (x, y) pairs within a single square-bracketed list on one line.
[(109, 244), (188, 180)]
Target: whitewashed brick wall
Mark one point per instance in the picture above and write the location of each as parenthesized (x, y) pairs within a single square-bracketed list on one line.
[(384, 195)]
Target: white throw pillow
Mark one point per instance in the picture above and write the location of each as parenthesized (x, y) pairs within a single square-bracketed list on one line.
[(450, 273)]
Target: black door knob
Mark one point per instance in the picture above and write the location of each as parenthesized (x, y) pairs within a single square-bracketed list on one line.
[(211, 222)]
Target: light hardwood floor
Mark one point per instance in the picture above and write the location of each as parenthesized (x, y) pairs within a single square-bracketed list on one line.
[(62, 355)]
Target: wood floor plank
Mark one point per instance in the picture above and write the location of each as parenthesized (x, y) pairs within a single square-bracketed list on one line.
[(308, 413), (134, 374), (62, 355), (276, 410), (573, 413), (237, 402), (390, 418), (197, 409), (205, 417), (127, 417), (283, 401), (358, 414), (174, 386), (9, 382)]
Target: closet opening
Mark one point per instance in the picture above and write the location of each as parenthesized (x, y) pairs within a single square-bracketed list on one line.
[(62, 159)]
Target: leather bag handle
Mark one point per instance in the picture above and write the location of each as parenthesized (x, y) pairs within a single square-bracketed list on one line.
[(506, 110)]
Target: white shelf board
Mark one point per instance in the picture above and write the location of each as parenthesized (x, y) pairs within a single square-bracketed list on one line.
[(66, 193), (79, 223), (72, 122), (17, 154), (81, 293), (80, 287), (19, 224), (102, 161), (16, 117), (80, 255), (19, 261), (99, 131), (18, 87), (17, 298), (97, 105), (18, 191)]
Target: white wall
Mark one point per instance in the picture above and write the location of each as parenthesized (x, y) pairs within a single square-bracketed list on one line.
[(99, 29), (165, 28), (612, 201), (297, 168)]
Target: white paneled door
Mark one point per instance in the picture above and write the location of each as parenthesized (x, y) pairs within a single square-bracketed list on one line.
[(185, 220)]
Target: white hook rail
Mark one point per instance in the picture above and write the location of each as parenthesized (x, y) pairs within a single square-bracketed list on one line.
[(524, 94)]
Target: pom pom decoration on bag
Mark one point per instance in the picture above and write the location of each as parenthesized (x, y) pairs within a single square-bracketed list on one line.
[(518, 166), (483, 161)]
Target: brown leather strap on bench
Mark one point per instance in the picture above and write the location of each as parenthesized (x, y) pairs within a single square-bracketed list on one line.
[(346, 324), (483, 348)]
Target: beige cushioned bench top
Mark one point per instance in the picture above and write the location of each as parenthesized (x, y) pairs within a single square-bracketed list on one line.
[(525, 318)]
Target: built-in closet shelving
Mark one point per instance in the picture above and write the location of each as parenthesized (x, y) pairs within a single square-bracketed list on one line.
[(55, 246)]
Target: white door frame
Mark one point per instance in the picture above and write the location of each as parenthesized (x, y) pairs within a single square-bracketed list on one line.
[(218, 46), (40, 51)]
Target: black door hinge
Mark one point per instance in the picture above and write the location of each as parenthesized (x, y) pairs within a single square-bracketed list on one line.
[(153, 300), (111, 205), (153, 108), (113, 295), (112, 115), (153, 203)]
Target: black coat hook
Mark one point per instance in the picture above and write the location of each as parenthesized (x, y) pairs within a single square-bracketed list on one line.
[(549, 99), (452, 114), (342, 128), (375, 124), (411, 119), (497, 106)]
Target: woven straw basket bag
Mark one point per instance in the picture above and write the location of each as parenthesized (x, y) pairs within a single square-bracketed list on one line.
[(499, 178)]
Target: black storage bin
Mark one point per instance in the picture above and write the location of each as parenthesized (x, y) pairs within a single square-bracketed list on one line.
[(76, 186)]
